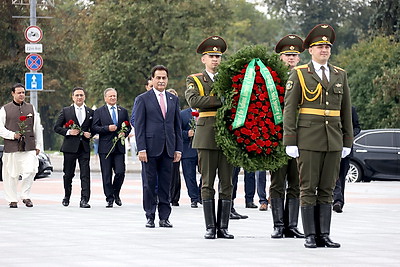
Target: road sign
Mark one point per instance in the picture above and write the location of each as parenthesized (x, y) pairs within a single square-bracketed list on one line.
[(33, 48), (34, 81), (34, 62), (33, 34)]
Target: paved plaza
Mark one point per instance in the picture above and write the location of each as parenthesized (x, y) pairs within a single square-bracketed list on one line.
[(52, 235)]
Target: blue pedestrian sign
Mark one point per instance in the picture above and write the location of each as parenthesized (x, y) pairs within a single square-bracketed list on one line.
[(34, 81)]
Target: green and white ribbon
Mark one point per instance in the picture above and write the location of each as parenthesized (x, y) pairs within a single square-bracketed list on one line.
[(245, 94)]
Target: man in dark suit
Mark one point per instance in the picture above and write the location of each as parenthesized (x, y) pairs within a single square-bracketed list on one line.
[(159, 142), (111, 122), (76, 145), (189, 156)]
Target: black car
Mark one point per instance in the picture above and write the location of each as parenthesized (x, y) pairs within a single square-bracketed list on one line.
[(45, 168), (376, 156)]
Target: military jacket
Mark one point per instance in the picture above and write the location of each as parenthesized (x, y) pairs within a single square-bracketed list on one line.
[(317, 117), (204, 137)]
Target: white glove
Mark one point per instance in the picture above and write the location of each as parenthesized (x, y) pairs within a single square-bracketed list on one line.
[(346, 151), (292, 151)]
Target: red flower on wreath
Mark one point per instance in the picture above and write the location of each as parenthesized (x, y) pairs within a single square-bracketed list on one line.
[(259, 134)]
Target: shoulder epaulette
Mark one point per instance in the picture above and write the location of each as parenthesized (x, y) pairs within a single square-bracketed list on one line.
[(338, 68), (305, 66), (196, 74)]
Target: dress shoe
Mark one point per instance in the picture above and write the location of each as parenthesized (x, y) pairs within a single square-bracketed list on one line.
[(150, 223), (251, 205), (337, 208), (193, 204), (110, 204), (210, 233), (175, 204), (325, 241), (234, 213), (310, 242), (28, 202), (13, 205), (65, 202), (263, 207), (165, 223), (84, 204), (223, 233), (118, 201)]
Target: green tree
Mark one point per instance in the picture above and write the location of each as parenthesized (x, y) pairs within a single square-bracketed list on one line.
[(372, 67), (348, 18), (386, 19), (127, 38)]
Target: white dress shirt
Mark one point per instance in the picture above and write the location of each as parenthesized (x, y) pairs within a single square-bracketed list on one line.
[(318, 70)]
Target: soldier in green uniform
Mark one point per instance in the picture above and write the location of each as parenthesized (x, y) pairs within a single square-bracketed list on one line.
[(285, 216), (318, 131), (211, 157)]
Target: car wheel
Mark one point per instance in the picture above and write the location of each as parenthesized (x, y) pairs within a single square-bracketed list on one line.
[(354, 174)]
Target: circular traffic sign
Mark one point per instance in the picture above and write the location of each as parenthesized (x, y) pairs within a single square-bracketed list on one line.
[(34, 62), (33, 34)]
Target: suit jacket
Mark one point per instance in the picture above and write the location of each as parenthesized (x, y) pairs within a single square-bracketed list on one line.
[(71, 142), (152, 131), (316, 132), (204, 137), (186, 118), (101, 120)]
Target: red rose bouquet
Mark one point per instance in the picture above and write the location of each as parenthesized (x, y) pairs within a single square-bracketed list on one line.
[(249, 124), (22, 130), (72, 125)]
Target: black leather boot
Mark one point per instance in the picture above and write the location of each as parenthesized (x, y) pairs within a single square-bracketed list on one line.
[(209, 216), (277, 216), (292, 207), (307, 215), (325, 215), (224, 209)]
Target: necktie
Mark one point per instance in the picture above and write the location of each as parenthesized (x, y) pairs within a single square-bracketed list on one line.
[(162, 105), (114, 115), (79, 116), (324, 78)]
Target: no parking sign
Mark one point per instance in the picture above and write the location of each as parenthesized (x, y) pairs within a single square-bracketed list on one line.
[(34, 62)]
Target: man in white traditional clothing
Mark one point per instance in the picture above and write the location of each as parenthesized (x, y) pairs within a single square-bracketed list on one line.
[(23, 140)]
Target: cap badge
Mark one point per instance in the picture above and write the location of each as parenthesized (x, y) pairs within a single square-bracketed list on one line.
[(324, 26), (291, 47), (324, 38), (215, 38), (292, 37), (215, 48)]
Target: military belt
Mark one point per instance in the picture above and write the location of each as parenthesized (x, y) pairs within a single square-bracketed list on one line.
[(320, 112), (207, 114)]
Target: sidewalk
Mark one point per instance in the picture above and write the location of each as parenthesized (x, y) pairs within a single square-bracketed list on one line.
[(52, 235)]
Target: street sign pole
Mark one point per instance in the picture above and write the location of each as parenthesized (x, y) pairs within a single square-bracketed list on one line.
[(33, 94)]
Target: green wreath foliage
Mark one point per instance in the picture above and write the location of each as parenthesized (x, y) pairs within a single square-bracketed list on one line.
[(235, 154)]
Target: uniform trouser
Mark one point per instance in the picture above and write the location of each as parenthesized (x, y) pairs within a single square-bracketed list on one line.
[(318, 173), (25, 161), (279, 177), (211, 162)]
